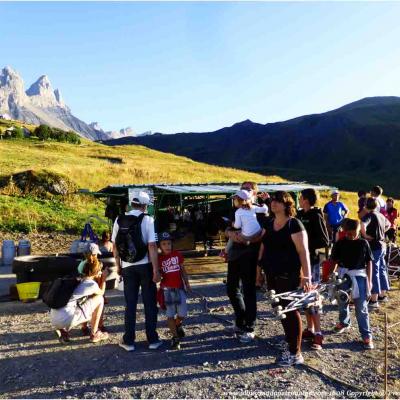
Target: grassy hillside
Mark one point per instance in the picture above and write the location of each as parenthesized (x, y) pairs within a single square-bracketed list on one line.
[(92, 166), (95, 166)]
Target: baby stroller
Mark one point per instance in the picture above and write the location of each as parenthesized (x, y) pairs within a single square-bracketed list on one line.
[(393, 262)]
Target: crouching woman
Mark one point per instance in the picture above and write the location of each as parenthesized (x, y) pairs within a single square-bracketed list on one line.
[(85, 305)]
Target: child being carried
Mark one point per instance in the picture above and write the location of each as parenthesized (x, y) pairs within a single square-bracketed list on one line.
[(246, 217)]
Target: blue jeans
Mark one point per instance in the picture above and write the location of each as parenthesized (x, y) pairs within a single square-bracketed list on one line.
[(135, 277), (380, 279), (361, 308), (335, 229)]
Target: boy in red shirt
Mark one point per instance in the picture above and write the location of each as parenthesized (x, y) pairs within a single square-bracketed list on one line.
[(175, 283)]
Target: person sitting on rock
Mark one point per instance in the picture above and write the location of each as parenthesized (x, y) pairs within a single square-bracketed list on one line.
[(106, 245), (86, 304)]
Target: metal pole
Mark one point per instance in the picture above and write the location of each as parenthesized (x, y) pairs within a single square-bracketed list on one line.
[(386, 358)]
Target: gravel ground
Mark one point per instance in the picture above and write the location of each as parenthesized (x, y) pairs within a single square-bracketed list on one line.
[(211, 363)]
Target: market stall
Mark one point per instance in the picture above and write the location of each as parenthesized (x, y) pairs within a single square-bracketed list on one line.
[(196, 214)]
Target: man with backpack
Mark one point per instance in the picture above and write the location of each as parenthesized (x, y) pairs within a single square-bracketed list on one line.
[(135, 251)]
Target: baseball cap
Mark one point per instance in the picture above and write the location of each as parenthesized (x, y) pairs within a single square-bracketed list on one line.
[(93, 248), (164, 236), (243, 194), (335, 192), (142, 198)]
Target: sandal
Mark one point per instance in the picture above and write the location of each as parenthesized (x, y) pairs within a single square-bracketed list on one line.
[(98, 336)]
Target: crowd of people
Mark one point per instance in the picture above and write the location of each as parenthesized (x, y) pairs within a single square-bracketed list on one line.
[(269, 242)]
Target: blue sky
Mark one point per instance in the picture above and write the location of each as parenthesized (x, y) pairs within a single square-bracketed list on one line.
[(173, 67)]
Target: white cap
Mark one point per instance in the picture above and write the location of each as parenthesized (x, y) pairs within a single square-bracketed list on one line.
[(143, 199), (243, 194), (94, 249), (335, 192)]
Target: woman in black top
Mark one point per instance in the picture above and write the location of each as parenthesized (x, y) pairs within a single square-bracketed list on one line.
[(285, 260)]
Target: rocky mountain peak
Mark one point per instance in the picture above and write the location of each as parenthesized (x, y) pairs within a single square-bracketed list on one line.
[(11, 88), (41, 104), (59, 98), (96, 126), (42, 94), (41, 87), (8, 73)]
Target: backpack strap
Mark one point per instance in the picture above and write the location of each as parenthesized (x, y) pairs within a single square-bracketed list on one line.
[(125, 220)]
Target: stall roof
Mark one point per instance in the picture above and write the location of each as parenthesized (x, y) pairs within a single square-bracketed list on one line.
[(211, 188)]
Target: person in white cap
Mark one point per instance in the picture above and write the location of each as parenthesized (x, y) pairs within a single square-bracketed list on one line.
[(334, 212), (135, 251), (243, 268)]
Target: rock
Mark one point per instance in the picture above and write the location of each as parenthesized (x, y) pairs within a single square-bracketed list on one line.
[(40, 183)]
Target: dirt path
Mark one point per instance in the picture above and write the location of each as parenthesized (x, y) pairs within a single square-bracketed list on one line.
[(211, 364)]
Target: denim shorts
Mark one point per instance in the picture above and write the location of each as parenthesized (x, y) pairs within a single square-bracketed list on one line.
[(315, 273), (175, 302)]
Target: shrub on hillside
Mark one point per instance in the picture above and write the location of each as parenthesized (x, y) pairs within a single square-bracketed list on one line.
[(45, 132), (18, 133)]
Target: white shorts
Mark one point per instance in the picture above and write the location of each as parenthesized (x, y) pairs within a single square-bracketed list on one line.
[(84, 312)]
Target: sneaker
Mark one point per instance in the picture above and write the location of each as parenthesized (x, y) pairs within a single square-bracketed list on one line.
[(308, 335), (98, 336), (180, 331), (373, 305), (317, 342), (368, 344), (340, 328), (85, 331), (247, 337), (288, 359), (127, 347), (383, 299), (283, 345), (63, 335), (155, 345), (175, 344)]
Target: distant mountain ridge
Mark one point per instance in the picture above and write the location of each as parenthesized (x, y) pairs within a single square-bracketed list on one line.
[(41, 104), (357, 144)]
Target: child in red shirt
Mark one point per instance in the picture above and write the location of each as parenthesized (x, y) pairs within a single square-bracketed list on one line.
[(175, 284)]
